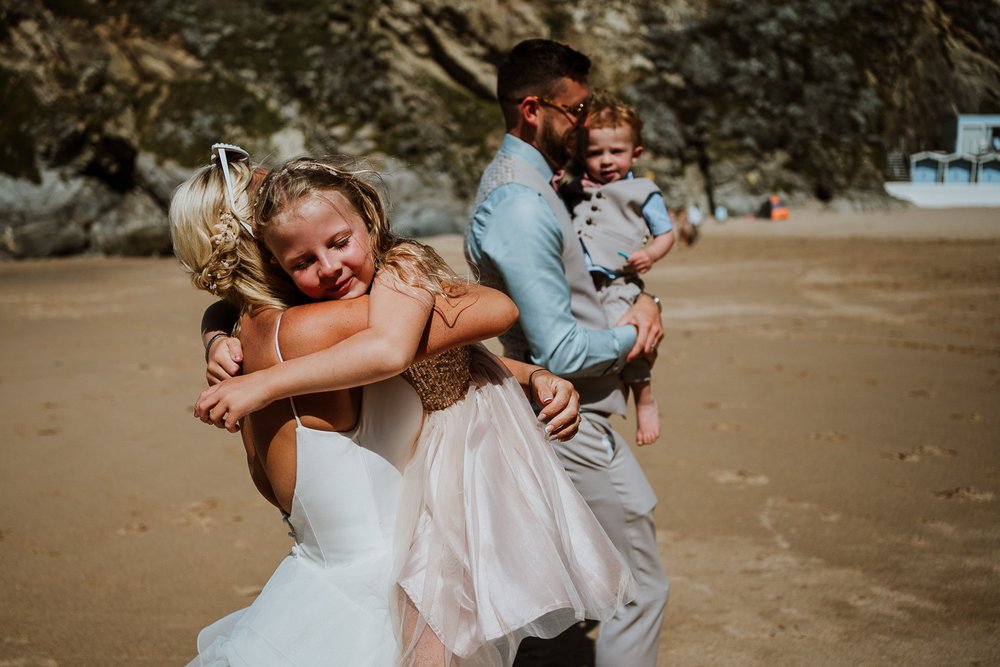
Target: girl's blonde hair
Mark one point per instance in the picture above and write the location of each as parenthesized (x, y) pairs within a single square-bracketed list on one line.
[(410, 262), (213, 246)]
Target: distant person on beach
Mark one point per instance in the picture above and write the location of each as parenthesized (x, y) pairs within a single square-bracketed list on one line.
[(493, 542), (331, 462), (625, 228), (688, 222), (521, 240)]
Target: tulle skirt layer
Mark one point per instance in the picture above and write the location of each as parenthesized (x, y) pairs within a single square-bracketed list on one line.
[(494, 543)]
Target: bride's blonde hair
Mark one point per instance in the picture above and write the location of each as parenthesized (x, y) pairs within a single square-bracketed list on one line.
[(408, 261), (212, 242)]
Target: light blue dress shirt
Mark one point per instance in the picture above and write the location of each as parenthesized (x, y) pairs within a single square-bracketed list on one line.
[(516, 242)]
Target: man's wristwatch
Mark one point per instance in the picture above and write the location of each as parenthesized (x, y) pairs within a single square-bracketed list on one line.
[(656, 300)]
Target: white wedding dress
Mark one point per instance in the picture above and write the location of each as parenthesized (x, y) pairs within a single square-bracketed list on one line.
[(328, 603)]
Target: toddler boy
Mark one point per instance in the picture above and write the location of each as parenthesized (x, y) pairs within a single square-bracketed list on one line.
[(615, 215)]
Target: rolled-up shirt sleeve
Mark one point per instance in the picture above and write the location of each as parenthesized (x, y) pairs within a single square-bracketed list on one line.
[(654, 211), (526, 251)]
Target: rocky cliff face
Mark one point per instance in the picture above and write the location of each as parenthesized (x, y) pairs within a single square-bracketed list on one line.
[(108, 105)]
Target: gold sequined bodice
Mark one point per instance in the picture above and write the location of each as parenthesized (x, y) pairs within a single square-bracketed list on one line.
[(441, 380)]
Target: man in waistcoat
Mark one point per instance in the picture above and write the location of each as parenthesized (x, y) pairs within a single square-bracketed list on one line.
[(521, 240)]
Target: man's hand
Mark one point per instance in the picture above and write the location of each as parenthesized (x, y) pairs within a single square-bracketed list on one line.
[(644, 315), (224, 359), (560, 404)]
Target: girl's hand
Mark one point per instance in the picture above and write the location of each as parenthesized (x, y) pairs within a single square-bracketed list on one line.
[(224, 359), (226, 403), (560, 404)]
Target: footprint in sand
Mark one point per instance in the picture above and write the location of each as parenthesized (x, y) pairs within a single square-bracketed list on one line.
[(967, 417), (828, 436), (968, 494), (133, 528), (725, 427), (921, 393), (924, 451), (29, 662), (907, 457), (941, 527), (739, 478), (198, 514)]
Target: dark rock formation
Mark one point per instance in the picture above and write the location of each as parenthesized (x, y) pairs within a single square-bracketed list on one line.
[(108, 105)]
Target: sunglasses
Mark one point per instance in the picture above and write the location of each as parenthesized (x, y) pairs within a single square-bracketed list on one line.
[(577, 114)]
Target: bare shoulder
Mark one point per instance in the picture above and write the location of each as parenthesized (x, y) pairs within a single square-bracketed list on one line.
[(257, 337), (317, 326)]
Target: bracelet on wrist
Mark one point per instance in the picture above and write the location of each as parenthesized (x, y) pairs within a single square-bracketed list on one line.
[(211, 342), (532, 375)]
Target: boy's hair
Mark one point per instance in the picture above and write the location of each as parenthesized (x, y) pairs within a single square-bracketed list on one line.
[(212, 245), (413, 263), (535, 67), (606, 110)]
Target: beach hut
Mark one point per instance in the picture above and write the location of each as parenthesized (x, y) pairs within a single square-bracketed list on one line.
[(989, 169), (925, 167), (977, 134), (959, 168)]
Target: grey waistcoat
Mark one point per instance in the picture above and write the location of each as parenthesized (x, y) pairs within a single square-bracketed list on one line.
[(601, 394), (609, 220)]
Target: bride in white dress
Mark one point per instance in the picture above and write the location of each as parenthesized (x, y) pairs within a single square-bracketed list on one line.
[(330, 462)]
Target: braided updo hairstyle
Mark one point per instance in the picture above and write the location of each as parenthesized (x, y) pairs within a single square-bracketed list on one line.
[(219, 253)]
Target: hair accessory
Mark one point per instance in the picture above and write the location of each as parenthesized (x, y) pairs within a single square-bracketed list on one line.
[(224, 154)]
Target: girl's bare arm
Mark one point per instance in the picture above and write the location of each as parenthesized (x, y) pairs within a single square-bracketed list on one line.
[(399, 329)]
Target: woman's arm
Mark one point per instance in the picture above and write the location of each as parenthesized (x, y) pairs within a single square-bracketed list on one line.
[(223, 353), (396, 334)]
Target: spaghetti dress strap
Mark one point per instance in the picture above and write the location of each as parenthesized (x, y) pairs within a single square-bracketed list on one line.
[(277, 349)]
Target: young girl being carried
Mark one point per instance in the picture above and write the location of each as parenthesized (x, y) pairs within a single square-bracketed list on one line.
[(493, 541)]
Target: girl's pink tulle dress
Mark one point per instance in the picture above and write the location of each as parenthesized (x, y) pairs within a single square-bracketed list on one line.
[(493, 542)]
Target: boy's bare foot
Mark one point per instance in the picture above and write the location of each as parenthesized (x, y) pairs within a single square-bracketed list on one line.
[(647, 418), (647, 413)]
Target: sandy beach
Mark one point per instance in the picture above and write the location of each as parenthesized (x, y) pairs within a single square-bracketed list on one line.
[(828, 477)]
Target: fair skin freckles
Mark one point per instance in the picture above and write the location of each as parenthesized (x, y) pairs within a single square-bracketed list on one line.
[(610, 154), (326, 260), (552, 132)]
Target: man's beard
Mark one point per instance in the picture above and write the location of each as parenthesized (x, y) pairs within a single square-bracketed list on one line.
[(555, 148)]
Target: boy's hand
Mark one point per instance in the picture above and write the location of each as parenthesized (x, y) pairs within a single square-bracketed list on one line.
[(641, 260), (560, 404), (224, 359)]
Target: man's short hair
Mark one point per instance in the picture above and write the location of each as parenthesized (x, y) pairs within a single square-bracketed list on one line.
[(535, 67)]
